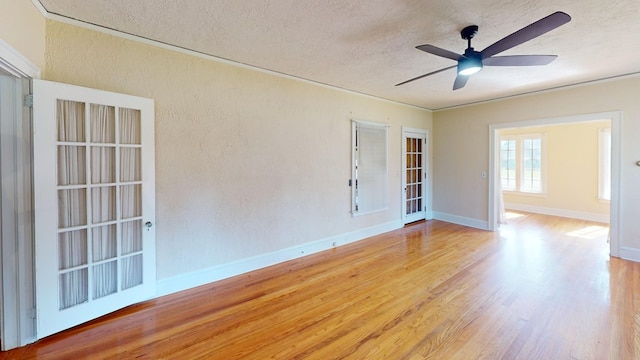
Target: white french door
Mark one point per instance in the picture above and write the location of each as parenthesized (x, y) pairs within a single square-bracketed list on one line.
[(414, 176), (94, 192)]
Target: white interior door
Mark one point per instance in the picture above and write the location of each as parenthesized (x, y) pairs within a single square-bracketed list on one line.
[(94, 203), (414, 176)]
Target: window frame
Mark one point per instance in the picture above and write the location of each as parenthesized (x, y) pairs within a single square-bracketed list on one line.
[(520, 163), (358, 188)]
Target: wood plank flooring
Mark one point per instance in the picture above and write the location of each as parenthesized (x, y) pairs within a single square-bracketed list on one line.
[(540, 288)]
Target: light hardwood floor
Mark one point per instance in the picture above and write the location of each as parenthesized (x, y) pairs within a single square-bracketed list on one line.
[(540, 288)]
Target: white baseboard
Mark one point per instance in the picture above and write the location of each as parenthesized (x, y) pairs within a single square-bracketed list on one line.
[(581, 215), (460, 220), (628, 253), (201, 277)]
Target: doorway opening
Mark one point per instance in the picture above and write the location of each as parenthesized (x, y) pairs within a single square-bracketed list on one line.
[(495, 183)]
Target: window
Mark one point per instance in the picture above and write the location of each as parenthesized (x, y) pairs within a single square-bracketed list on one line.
[(604, 164), (508, 164), (369, 181), (522, 163)]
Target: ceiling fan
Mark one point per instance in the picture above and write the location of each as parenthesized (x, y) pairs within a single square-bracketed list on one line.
[(472, 61)]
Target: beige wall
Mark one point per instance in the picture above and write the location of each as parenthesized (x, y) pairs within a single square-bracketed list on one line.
[(247, 163), (23, 27), (571, 168), (461, 146)]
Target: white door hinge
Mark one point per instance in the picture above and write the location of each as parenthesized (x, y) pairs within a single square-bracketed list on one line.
[(33, 313), (28, 100)]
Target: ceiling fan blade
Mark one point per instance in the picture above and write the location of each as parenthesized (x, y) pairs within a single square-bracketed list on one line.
[(527, 33), (519, 60), (439, 52), (425, 75), (461, 81)]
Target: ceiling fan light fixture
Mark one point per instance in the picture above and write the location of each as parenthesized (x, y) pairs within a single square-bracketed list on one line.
[(469, 65), (472, 61)]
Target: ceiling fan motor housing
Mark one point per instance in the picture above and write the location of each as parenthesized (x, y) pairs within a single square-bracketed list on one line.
[(470, 63)]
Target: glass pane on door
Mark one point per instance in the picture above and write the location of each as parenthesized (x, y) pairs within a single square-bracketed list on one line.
[(94, 256), (70, 116)]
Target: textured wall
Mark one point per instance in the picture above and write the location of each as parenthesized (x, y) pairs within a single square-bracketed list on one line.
[(571, 168), (246, 162), (461, 146), (23, 27)]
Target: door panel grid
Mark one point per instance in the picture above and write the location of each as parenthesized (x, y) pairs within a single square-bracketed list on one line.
[(88, 212), (414, 175)]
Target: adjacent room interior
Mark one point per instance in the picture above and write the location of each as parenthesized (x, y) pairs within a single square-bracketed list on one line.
[(561, 169)]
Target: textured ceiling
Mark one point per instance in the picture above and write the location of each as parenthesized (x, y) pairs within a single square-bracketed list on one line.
[(369, 46)]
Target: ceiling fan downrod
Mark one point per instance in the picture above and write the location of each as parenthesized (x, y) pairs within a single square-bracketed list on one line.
[(468, 33)]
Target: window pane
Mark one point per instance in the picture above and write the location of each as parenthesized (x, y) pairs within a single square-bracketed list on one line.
[(507, 164), (103, 124), (104, 242), (73, 288), (532, 165), (131, 201), (70, 119), (71, 165), (72, 249), (103, 206), (131, 271), (105, 279), (131, 236), (72, 208), (130, 169), (103, 165), (129, 126)]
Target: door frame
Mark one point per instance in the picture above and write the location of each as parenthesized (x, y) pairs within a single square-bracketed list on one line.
[(17, 324), (616, 135), (427, 184)]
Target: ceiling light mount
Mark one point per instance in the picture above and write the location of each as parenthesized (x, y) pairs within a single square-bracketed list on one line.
[(468, 33)]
